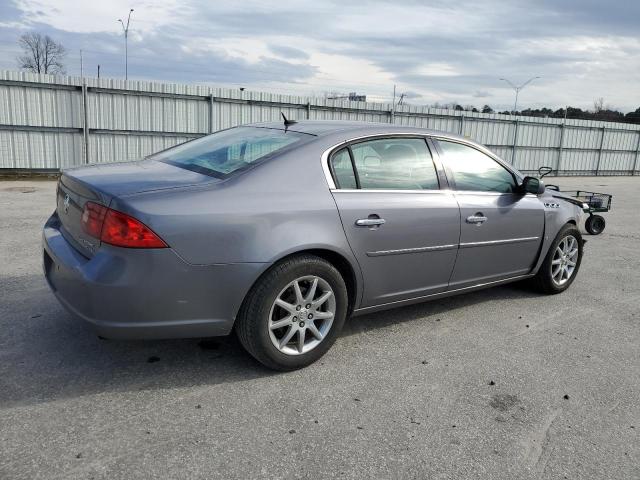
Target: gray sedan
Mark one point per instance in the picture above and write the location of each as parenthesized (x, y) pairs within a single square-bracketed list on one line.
[(280, 231)]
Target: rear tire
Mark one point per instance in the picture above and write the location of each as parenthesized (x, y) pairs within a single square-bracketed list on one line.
[(562, 263), (595, 224), (286, 327)]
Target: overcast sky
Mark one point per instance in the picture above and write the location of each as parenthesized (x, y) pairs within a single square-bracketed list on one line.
[(437, 51)]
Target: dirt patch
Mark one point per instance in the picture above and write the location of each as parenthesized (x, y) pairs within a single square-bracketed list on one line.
[(504, 402)]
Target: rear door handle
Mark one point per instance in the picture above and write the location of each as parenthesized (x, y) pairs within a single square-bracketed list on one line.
[(370, 222), (478, 219)]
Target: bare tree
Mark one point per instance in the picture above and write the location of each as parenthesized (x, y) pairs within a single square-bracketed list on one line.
[(598, 105), (41, 54)]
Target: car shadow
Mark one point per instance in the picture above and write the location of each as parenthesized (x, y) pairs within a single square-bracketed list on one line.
[(436, 308), (48, 355)]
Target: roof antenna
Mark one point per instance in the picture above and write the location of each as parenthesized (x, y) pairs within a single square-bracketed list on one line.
[(287, 122)]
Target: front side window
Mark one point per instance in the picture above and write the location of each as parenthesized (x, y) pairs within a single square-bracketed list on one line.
[(472, 170), (230, 150), (395, 164)]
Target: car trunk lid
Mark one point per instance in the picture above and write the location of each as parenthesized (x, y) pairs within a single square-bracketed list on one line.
[(101, 183)]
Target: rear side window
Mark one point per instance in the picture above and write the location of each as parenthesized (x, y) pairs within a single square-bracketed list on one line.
[(228, 151), (395, 164), (343, 170), (472, 170)]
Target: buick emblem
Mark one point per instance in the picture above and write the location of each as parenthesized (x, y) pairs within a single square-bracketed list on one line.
[(65, 204)]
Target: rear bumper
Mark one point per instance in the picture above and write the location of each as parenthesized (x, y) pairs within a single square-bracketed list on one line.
[(144, 293)]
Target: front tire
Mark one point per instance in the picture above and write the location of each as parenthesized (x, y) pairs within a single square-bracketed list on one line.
[(293, 313), (561, 265)]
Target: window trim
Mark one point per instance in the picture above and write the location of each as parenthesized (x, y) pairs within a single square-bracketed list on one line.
[(327, 163)]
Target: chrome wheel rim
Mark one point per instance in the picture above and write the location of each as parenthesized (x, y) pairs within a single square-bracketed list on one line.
[(564, 261), (302, 315)]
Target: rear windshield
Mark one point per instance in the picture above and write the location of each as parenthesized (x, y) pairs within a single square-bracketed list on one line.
[(229, 151)]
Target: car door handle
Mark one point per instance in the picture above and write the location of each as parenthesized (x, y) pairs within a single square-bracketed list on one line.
[(370, 222), (478, 219)]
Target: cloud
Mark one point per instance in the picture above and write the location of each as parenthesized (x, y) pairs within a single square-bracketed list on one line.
[(97, 16), (442, 51), (289, 52)]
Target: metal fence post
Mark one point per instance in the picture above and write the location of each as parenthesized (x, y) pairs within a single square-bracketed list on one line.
[(635, 163), (515, 143), (85, 126), (560, 147), (600, 151), (211, 101), (308, 110), (461, 125)]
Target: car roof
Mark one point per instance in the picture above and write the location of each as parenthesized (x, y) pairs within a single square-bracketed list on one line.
[(330, 128)]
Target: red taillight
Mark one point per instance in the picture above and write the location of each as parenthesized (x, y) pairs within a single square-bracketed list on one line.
[(117, 228), (93, 218)]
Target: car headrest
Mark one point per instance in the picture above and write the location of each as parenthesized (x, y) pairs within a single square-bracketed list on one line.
[(396, 152)]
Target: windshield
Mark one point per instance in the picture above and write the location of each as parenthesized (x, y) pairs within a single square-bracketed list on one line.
[(228, 151)]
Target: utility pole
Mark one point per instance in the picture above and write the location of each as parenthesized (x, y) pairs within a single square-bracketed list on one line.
[(125, 29), (81, 69), (98, 70), (517, 89), (392, 116)]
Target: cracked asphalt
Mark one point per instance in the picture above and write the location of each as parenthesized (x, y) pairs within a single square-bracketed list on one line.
[(501, 384)]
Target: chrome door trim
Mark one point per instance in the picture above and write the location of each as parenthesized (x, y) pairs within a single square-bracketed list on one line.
[(375, 190), (402, 251), (325, 166), (499, 242), (492, 194)]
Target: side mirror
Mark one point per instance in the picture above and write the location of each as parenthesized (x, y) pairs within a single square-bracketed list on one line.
[(532, 185)]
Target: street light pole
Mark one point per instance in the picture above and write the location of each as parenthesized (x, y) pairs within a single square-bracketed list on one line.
[(517, 89), (125, 29)]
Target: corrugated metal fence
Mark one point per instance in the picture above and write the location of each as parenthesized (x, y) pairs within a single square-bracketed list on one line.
[(52, 122)]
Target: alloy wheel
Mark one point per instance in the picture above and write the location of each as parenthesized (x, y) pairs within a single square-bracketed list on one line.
[(564, 260), (302, 315)]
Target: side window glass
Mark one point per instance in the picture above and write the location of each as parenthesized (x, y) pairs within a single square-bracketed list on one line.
[(474, 171), (343, 170), (395, 164)]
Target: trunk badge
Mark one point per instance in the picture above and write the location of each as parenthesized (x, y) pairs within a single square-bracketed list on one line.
[(66, 203)]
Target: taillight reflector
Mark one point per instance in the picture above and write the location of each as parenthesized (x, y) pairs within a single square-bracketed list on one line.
[(117, 228)]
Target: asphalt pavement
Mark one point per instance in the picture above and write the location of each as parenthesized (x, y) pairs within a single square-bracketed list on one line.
[(503, 383)]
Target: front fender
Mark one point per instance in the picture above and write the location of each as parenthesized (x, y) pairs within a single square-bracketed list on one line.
[(557, 213)]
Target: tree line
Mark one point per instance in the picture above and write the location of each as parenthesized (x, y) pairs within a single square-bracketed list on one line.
[(600, 112)]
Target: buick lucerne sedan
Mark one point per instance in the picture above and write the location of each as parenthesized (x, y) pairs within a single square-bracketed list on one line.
[(280, 231)]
